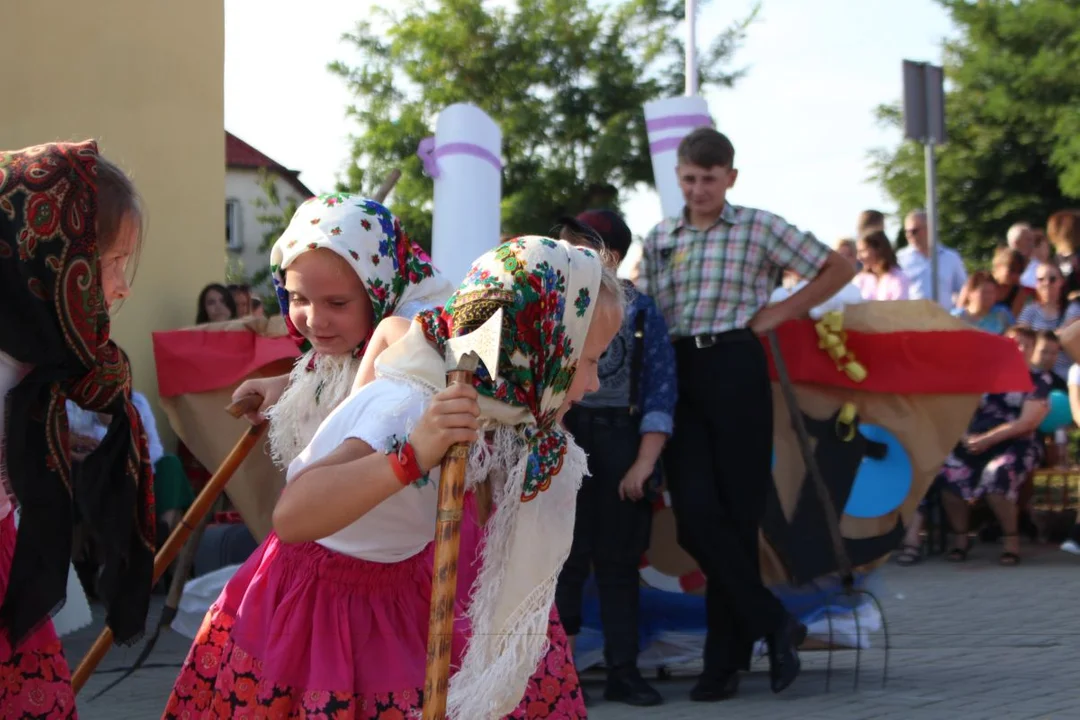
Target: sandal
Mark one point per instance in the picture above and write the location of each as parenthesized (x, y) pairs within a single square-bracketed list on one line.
[(909, 555), (959, 554), (1009, 558)]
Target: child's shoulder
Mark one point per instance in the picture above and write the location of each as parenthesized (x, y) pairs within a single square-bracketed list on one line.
[(383, 396), (374, 412)]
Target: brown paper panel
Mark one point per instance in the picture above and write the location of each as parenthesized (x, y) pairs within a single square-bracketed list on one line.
[(200, 420)]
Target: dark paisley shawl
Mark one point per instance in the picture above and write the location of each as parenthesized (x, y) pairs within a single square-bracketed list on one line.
[(55, 320)]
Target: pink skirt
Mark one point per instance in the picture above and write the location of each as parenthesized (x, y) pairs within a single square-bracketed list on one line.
[(35, 680), (303, 631)]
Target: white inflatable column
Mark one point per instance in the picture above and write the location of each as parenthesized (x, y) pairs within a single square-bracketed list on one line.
[(465, 162), (668, 122)]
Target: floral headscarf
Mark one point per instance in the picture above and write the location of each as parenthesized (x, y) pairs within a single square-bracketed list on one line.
[(399, 280), (547, 290), (396, 272), (55, 320)]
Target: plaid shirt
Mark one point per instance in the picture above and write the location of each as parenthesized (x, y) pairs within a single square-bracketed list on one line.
[(715, 280)]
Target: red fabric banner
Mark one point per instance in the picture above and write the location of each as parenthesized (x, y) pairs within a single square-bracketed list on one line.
[(193, 361), (907, 362)]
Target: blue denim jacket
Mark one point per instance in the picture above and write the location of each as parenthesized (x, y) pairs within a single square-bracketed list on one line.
[(656, 383)]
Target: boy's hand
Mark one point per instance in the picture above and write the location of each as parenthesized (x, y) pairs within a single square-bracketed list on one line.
[(452, 417), (768, 318), (632, 486)]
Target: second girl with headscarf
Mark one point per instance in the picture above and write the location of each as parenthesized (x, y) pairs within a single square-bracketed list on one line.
[(343, 265)]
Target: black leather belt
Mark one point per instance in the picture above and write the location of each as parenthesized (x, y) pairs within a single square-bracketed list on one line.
[(708, 340)]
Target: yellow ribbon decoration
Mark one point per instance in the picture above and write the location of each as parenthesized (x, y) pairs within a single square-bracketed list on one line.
[(833, 340), (845, 422)]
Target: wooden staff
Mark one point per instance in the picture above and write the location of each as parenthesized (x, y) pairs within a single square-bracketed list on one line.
[(464, 353), (168, 552), (444, 583)]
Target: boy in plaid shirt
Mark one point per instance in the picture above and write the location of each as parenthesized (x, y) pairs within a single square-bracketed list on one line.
[(711, 271)]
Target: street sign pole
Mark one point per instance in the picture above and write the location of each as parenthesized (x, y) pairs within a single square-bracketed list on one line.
[(931, 216), (924, 121), (691, 47)]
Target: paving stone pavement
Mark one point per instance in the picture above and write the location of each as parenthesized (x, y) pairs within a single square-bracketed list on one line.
[(969, 642)]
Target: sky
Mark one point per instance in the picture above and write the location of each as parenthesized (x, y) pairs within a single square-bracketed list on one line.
[(801, 120)]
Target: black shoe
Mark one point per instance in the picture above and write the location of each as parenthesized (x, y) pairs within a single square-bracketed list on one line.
[(784, 664), (585, 697), (712, 687), (629, 687)]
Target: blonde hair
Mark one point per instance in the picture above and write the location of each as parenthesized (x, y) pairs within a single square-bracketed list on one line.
[(117, 201), (612, 287)]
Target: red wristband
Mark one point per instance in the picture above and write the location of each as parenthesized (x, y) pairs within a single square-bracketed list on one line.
[(404, 464), (399, 469)]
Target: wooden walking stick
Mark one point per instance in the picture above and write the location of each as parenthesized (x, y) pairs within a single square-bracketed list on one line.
[(172, 546), (463, 356)]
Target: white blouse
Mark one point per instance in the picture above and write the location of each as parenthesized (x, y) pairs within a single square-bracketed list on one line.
[(402, 525)]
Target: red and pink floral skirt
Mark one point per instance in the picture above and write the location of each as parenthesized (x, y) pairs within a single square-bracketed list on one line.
[(35, 681), (301, 631)]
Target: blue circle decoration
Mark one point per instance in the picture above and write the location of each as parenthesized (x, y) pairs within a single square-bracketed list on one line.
[(1060, 415), (880, 485)]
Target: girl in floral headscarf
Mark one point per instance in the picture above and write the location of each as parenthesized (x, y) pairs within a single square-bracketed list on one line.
[(343, 265), (336, 622), (70, 221)]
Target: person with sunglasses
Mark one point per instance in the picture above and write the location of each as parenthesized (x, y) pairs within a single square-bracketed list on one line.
[(1049, 312)]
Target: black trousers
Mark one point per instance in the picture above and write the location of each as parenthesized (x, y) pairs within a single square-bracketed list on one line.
[(718, 466), (610, 535)]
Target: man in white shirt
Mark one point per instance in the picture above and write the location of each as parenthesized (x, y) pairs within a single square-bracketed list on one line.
[(915, 262)]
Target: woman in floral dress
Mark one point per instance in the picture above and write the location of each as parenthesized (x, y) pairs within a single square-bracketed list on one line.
[(995, 457)]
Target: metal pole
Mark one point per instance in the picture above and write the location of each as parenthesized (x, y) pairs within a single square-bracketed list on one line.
[(931, 196), (691, 47), (932, 218)]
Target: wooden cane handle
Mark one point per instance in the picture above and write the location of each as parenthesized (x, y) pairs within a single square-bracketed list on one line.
[(245, 405)]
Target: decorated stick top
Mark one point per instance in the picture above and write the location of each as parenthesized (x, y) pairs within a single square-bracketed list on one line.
[(466, 352)]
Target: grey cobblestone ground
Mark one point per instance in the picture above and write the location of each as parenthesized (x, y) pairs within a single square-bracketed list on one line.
[(970, 642)]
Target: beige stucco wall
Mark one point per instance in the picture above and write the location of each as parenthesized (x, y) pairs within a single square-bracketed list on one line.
[(242, 185), (146, 79)]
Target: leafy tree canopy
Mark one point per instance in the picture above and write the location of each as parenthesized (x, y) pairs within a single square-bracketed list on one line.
[(1013, 120), (565, 80)]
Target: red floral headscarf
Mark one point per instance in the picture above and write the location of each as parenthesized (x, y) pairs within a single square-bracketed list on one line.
[(55, 320)]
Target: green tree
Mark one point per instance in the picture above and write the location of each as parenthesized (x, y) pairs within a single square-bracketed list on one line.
[(1013, 122), (565, 80)]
